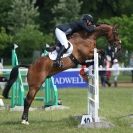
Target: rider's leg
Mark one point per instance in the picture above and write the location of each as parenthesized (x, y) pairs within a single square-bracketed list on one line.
[(61, 36)]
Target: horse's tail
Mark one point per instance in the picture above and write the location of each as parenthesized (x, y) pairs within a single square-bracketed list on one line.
[(12, 78)]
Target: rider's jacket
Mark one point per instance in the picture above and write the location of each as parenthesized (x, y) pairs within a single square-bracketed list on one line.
[(76, 26)]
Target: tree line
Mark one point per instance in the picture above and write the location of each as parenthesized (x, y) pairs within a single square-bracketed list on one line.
[(31, 23)]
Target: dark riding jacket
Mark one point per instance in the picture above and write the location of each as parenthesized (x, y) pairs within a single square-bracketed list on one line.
[(76, 26)]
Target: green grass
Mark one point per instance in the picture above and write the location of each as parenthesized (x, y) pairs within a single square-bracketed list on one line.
[(115, 105), (124, 77)]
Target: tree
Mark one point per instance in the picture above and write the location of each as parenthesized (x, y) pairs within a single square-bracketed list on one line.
[(5, 7), (107, 8), (23, 13), (46, 16), (5, 41), (66, 11), (98, 8), (28, 39), (125, 28)]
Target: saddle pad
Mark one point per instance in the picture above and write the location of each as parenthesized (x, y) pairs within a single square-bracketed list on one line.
[(53, 55)]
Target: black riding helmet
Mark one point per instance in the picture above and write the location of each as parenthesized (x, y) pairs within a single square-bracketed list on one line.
[(86, 17)]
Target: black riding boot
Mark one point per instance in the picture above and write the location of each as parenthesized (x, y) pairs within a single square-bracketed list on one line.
[(50, 49), (57, 62)]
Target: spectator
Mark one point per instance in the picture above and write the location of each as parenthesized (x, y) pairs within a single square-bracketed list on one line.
[(110, 52), (108, 73), (1, 67), (105, 75), (102, 75), (116, 72), (131, 65)]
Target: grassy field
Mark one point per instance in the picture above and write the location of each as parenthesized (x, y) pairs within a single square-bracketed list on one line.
[(115, 106), (124, 77)]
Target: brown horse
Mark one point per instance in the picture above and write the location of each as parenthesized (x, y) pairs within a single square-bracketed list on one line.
[(83, 47)]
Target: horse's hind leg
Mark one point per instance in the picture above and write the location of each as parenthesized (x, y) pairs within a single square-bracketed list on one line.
[(27, 103), (35, 81), (37, 74)]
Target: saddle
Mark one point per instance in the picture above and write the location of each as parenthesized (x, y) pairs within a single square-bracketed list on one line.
[(53, 51)]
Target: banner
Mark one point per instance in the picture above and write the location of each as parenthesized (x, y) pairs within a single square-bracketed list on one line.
[(69, 79)]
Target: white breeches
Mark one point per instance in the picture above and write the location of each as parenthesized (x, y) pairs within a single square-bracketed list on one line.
[(61, 36), (115, 78)]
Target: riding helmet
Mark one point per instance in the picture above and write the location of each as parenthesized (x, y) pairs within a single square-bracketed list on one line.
[(87, 17)]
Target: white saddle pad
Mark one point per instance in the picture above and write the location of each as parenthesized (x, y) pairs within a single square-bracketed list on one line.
[(53, 55)]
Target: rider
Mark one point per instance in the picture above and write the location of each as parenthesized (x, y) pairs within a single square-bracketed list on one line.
[(86, 23)]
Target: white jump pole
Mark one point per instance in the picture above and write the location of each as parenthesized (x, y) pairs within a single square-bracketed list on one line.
[(93, 93), (96, 86)]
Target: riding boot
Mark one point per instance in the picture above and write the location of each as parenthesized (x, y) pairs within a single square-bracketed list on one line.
[(57, 62), (50, 49)]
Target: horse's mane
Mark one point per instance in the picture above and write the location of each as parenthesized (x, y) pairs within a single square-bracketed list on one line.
[(98, 24)]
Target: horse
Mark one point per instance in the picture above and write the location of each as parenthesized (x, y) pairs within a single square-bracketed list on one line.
[(83, 49)]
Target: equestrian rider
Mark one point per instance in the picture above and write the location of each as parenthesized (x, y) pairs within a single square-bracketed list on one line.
[(86, 23)]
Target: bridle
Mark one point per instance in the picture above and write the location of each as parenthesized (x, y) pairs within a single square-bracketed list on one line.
[(114, 41)]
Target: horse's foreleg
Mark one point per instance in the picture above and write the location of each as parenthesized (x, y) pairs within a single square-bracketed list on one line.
[(33, 89)]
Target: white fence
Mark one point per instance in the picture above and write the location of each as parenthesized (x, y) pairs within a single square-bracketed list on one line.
[(93, 90), (93, 93)]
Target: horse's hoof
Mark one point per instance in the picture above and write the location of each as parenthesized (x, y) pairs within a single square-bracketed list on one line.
[(25, 122)]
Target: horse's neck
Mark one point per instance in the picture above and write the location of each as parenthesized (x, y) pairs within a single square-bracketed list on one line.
[(80, 34), (101, 30)]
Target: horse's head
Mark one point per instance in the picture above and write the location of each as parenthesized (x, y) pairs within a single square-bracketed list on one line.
[(113, 38), (111, 33)]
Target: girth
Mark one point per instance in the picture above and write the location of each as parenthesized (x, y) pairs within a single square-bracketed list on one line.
[(76, 62)]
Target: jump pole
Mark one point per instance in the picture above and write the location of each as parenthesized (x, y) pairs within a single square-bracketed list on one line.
[(17, 96), (93, 94)]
